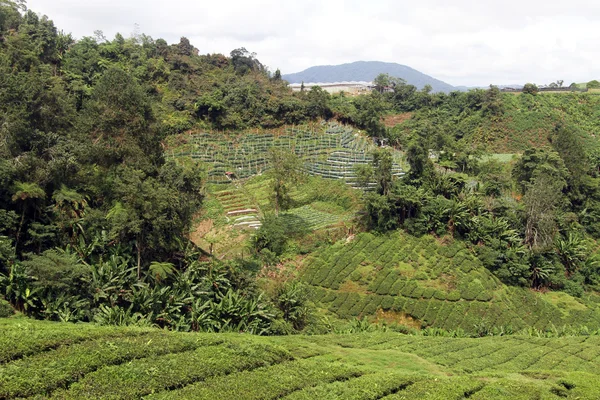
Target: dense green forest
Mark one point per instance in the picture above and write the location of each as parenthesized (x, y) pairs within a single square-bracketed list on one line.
[(95, 218)]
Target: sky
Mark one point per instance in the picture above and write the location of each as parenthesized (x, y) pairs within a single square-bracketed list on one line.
[(462, 42)]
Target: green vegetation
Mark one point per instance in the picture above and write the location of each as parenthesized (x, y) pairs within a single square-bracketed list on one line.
[(145, 186), (130, 364), (436, 285)]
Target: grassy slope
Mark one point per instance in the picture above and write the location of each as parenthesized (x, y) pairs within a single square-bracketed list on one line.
[(131, 363), (528, 120), (439, 285)]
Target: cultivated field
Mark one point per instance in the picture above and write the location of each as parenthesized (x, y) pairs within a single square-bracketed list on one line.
[(331, 151), (65, 361), (439, 285)]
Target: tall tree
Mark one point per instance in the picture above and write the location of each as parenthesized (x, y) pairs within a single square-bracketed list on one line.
[(286, 170)]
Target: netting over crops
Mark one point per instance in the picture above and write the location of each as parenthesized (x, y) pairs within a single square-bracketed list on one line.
[(331, 153)]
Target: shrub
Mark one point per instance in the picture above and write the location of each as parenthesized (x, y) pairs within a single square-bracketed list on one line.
[(372, 305), (484, 295), (439, 294), (420, 309), (399, 303), (428, 293), (267, 383), (472, 290), (421, 276), (417, 293), (454, 295), (409, 288), (387, 302), (6, 309), (396, 288)]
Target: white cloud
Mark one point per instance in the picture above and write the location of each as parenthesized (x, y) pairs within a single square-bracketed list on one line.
[(464, 42)]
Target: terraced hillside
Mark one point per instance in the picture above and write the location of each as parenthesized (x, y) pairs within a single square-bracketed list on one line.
[(65, 361), (240, 209), (233, 211), (438, 285), (331, 151)]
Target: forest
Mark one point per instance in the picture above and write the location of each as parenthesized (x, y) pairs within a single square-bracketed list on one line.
[(95, 217)]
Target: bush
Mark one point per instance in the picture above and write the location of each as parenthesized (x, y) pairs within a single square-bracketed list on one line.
[(530, 88), (6, 309), (454, 295), (271, 235)]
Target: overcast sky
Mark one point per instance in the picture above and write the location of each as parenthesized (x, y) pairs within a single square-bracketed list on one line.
[(462, 42)]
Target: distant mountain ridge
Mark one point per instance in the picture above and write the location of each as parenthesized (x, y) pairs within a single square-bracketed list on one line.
[(366, 71)]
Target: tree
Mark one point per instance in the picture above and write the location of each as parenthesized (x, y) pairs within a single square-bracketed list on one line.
[(536, 161), (243, 61), (382, 170), (277, 75), (572, 252), (270, 236), (367, 113), (318, 103), (152, 214), (492, 102), (69, 208), (26, 193), (418, 159), (383, 81), (286, 170), (530, 88), (185, 48), (118, 118), (593, 84), (542, 200), (569, 145)]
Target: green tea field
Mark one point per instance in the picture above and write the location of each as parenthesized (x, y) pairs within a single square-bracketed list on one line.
[(67, 361), (443, 286)]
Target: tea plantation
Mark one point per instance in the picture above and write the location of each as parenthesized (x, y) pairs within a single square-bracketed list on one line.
[(331, 151), (64, 361), (439, 285)]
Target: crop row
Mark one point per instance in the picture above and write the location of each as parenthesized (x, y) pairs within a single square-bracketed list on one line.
[(245, 154), (156, 364), (309, 217), (47, 371), (450, 315), (272, 382), (370, 386), (153, 374), (25, 338), (420, 259)]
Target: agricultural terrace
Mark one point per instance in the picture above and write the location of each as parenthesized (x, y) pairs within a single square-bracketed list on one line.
[(330, 151), (445, 286), (40, 359)]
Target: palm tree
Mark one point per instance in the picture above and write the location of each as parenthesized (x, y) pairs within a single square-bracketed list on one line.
[(572, 251), (25, 193), (70, 207), (458, 216)]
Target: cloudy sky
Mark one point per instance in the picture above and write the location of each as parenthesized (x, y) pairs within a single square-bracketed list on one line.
[(462, 42)]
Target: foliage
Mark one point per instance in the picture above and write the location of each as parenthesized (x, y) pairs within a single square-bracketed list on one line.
[(439, 285), (131, 363), (286, 170), (530, 88)]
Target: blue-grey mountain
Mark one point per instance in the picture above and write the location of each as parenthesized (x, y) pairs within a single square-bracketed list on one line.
[(367, 71)]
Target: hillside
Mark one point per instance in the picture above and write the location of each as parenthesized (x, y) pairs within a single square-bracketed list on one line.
[(400, 278), (367, 71), (520, 122), (54, 360)]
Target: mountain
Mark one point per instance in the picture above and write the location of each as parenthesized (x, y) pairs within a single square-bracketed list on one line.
[(366, 71)]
